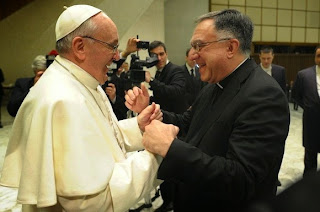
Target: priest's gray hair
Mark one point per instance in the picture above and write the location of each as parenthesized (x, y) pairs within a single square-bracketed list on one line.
[(230, 23)]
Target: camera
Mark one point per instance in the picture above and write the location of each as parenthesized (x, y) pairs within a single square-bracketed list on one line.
[(136, 74), (143, 44)]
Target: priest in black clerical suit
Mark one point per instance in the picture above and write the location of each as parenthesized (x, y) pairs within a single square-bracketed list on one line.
[(236, 128), (235, 114)]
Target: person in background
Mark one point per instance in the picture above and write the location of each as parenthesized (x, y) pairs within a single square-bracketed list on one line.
[(67, 150), (169, 83), (117, 84), (236, 128), (295, 104), (23, 85), (306, 93), (193, 81), (277, 72), (114, 89), (125, 67), (1, 94)]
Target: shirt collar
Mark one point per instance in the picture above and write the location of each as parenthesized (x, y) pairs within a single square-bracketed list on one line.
[(225, 81), (189, 67), (266, 69), (160, 70)]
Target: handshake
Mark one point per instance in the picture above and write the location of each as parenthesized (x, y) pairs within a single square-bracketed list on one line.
[(157, 136)]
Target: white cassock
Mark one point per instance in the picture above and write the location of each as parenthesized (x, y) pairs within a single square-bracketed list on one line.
[(68, 150)]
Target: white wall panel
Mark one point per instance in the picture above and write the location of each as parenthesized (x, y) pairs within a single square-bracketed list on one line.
[(298, 35), (284, 34)]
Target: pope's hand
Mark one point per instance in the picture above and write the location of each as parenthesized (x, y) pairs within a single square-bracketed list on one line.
[(152, 112)]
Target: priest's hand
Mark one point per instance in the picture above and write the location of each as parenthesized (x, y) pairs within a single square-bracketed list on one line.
[(137, 98), (158, 137)]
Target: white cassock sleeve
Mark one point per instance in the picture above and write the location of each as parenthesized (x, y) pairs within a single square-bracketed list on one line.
[(120, 195)]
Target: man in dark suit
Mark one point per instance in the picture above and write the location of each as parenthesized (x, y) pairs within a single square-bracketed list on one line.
[(115, 89), (236, 129), (306, 91), (169, 90), (277, 72), (22, 85), (193, 81), (169, 83), (117, 83)]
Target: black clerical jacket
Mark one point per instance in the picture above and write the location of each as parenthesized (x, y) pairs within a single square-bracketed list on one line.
[(234, 145)]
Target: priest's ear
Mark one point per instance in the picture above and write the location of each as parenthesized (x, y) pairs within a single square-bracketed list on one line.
[(233, 47)]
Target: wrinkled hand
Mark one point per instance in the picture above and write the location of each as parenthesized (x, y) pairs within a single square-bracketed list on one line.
[(37, 77), (111, 91), (131, 47), (152, 112), (158, 137), (137, 98)]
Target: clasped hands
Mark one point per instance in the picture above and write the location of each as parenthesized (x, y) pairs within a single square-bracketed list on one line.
[(157, 136)]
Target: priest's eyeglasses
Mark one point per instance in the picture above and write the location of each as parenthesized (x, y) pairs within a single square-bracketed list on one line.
[(198, 45), (114, 48)]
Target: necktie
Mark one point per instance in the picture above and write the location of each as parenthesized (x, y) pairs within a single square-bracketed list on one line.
[(157, 74), (192, 72)]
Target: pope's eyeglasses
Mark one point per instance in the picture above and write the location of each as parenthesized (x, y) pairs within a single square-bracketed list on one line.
[(114, 48)]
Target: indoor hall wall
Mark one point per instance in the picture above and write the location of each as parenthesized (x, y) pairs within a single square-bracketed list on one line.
[(30, 31), (281, 22), (150, 26), (292, 21), (180, 16)]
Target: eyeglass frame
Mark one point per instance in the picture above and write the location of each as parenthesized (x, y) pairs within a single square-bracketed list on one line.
[(114, 48), (197, 46)]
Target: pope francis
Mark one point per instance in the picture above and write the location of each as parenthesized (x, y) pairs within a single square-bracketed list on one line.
[(67, 150)]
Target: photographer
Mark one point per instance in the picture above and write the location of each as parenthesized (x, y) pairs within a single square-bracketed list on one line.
[(115, 90), (169, 83), (116, 85)]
